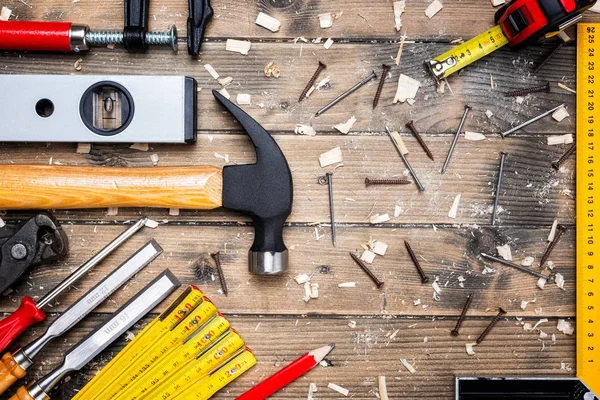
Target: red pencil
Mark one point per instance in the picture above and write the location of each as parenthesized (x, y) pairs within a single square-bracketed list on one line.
[(288, 374)]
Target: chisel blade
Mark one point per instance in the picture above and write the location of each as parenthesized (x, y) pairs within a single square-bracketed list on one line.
[(106, 333)]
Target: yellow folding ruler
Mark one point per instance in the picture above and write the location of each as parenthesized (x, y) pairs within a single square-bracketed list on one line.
[(588, 205)]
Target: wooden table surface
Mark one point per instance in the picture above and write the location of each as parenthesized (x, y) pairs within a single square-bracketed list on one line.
[(269, 312)]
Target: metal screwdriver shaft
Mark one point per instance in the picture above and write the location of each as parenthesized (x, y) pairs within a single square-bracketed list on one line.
[(531, 121), (460, 126), (498, 184), (346, 93), (408, 166)]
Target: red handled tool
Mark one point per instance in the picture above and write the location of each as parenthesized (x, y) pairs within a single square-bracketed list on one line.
[(520, 23), (30, 312)]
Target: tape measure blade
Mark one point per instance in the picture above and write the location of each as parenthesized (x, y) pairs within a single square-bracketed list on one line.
[(588, 206)]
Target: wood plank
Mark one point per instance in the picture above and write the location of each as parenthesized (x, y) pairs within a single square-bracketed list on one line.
[(363, 353), (465, 19), (533, 194), (446, 253), (433, 113)]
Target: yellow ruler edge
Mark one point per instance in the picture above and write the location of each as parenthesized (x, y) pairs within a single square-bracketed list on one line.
[(588, 205)]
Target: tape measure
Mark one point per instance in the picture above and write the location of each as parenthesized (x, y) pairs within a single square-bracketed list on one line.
[(588, 205)]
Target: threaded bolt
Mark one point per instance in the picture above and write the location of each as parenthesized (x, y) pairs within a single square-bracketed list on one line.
[(369, 181), (384, 72), (215, 257), (487, 330), (99, 38), (522, 92)]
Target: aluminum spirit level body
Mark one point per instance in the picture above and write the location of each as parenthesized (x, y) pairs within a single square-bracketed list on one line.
[(97, 109)]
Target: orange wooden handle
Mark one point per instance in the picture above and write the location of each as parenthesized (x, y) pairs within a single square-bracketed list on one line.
[(50, 186), (10, 372), (22, 394)]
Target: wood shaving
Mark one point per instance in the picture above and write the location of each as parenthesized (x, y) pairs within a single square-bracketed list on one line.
[(154, 159), (338, 389), (346, 126), (519, 99), (436, 287), (559, 280), (314, 290), (5, 14), (222, 157), (347, 284), (399, 7), (2, 223), (331, 157), (322, 83), (304, 130), (368, 256), (469, 348), (307, 292), (302, 279), (173, 212), (152, 224), (397, 211), (379, 248), (83, 148), (112, 211), (238, 46), (552, 233), (475, 136), (78, 65), (211, 71), (383, 395), (225, 93), (504, 252), (489, 114), (378, 219), (524, 304), (454, 209), (408, 366), (403, 38), (407, 89), (266, 21), (325, 20), (352, 324), (225, 81), (140, 146), (399, 142), (312, 389), (560, 139), (272, 70), (441, 87), (434, 7), (328, 43), (496, 3), (541, 283), (243, 99), (565, 87), (565, 327), (527, 261), (560, 114), (564, 37)]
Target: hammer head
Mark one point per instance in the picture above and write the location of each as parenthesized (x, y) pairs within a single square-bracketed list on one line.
[(264, 191)]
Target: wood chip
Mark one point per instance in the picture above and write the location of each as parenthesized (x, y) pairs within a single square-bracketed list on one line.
[(408, 366), (378, 219), (496, 3), (489, 114), (552, 233), (211, 71), (454, 208), (5, 14), (346, 126), (338, 389), (433, 8), (527, 261), (331, 157), (83, 148), (475, 136), (565, 87), (504, 252), (266, 21), (2, 223), (225, 93), (398, 10), (225, 81), (302, 279), (325, 20), (238, 46), (407, 88), (564, 37), (243, 99), (559, 280), (368, 256), (565, 327), (304, 130), (307, 292), (397, 211), (560, 139), (78, 65), (140, 146), (399, 142), (519, 99), (541, 283), (560, 114), (379, 248), (173, 212), (150, 223), (383, 395), (328, 43), (347, 284), (314, 290), (469, 348), (112, 211), (312, 389), (272, 70), (154, 159), (399, 54)]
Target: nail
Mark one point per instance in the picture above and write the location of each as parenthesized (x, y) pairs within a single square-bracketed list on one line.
[(410, 125), (403, 157), (454, 331), (487, 330), (367, 270), (451, 150), (312, 80), (498, 184), (515, 266), (347, 93), (531, 121), (424, 278)]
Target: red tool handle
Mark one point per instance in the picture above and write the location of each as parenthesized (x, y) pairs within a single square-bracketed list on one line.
[(12, 326), (35, 36)]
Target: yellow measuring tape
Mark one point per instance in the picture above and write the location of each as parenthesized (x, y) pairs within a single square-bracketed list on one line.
[(164, 323), (588, 205), (467, 53)]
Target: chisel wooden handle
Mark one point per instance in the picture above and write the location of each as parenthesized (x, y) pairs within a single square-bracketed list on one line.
[(68, 187), (10, 372), (22, 394)]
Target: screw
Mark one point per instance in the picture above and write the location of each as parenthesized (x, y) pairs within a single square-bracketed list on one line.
[(498, 184), (364, 267), (215, 257), (386, 181), (454, 332), (560, 230), (556, 165), (531, 121), (521, 92), (386, 69), (515, 266), (548, 57), (97, 38), (403, 157), (412, 128), (424, 278), (347, 93), (312, 80), (18, 251), (487, 330), (451, 150), (329, 177)]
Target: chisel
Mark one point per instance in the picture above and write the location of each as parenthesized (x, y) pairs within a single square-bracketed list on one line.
[(30, 312), (15, 366), (90, 346)]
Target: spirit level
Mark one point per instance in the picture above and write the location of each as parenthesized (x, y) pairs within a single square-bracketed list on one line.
[(520, 23)]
